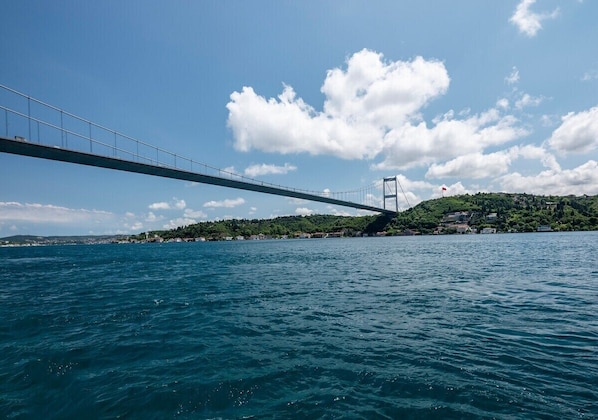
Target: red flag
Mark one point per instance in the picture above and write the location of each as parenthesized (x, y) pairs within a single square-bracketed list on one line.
[(443, 188)]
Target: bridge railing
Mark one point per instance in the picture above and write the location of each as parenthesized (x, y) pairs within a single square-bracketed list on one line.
[(29, 119)]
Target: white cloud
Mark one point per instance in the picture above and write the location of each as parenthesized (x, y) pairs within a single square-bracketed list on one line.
[(336, 212), (151, 217), (382, 91), (578, 133), (473, 165), (415, 145), (539, 153), (590, 75), (228, 203), (527, 100), (195, 214), (134, 227), (181, 221), (362, 104), (47, 213), (528, 22), (303, 211), (580, 180), (162, 205), (266, 169), (372, 109), (549, 120), (478, 165), (512, 78), (503, 103)]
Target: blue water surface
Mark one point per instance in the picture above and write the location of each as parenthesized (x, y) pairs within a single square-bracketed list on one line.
[(472, 326)]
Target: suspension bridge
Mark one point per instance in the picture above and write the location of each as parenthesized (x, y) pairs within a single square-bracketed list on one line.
[(36, 129)]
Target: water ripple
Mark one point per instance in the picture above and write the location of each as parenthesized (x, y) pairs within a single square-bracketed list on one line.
[(451, 327)]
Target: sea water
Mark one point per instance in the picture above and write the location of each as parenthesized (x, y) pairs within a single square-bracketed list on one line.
[(472, 326)]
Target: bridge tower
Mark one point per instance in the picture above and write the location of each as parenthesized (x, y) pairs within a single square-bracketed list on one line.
[(390, 189)]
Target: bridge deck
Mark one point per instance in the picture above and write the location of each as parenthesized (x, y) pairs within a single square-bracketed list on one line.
[(25, 148)]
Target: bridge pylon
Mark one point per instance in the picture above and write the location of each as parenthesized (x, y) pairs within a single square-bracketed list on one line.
[(390, 189)]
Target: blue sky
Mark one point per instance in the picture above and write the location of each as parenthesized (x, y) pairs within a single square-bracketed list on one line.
[(328, 95)]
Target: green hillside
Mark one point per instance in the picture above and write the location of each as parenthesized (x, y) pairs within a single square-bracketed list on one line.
[(503, 212), (281, 226), (513, 212)]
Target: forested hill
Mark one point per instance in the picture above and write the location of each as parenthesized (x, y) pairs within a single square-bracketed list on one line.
[(505, 212), (282, 226), (500, 211)]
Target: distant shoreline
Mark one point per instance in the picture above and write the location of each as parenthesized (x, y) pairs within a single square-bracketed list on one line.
[(119, 240), (482, 213)]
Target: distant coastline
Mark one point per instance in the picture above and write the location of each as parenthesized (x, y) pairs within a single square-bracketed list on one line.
[(482, 213)]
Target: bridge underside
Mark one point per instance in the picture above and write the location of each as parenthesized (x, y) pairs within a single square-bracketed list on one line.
[(25, 148)]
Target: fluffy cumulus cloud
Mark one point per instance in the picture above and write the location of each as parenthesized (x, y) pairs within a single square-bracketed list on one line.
[(473, 165), (266, 169), (228, 203), (363, 103), (538, 153), (179, 204), (415, 145), (580, 180), (578, 133), (503, 103), (478, 165), (372, 110), (529, 22), (162, 205)]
